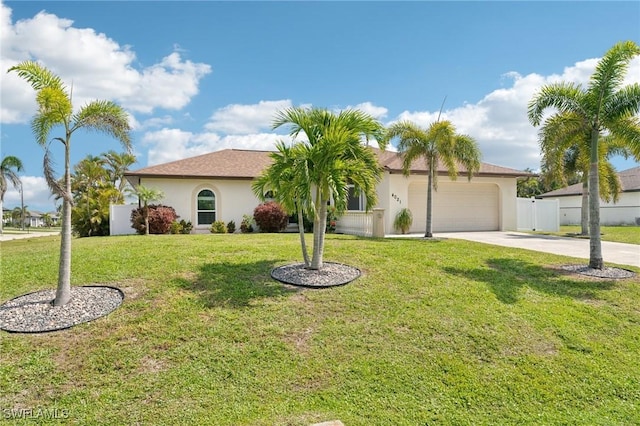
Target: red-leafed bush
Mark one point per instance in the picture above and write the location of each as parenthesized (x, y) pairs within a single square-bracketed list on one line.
[(270, 217), (160, 219)]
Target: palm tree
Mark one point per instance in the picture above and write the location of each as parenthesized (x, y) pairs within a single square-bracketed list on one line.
[(564, 143), (286, 180), (117, 164), (603, 107), (437, 144), (55, 109), (19, 216), (47, 219), (329, 159), (9, 168), (145, 196)]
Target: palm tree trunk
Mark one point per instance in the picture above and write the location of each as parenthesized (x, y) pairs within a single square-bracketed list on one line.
[(595, 244), (303, 243), (428, 233), (63, 293), (584, 210), (145, 211), (319, 228), (1, 216)]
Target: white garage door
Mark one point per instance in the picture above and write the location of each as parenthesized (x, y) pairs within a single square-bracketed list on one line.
[(457, 206)]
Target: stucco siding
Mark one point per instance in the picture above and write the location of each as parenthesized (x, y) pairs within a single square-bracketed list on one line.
[(234, 198)]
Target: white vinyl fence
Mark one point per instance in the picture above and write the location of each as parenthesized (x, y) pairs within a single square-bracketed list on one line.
[(538, 215), (120, 219), (355, 223)]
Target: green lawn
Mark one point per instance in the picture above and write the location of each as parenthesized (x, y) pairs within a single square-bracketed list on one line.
[(619, 234), (434, 332)]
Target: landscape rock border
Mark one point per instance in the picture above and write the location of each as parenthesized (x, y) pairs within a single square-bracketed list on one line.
[(332, 274), (35, 313)]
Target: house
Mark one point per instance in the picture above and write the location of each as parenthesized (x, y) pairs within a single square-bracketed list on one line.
[(625, 212), (217, 186), (33, 218)]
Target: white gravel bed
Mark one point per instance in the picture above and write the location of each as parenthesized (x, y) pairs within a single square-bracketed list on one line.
[(331, 274), (35, 313), (606, 272)]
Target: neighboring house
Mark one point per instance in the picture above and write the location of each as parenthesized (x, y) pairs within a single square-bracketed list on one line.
[(625, 212), (34, 218), (217, 186)]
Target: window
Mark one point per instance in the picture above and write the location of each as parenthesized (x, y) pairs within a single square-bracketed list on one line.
[(356, 200), (206, 207)]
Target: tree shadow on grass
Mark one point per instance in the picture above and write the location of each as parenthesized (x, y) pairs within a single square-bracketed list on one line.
[(507, 277), (234, 285)]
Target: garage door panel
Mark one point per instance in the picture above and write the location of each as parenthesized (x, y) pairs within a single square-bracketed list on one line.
[(457, 206)]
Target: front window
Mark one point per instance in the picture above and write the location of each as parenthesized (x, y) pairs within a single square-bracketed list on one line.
[(356, 200), (206, 207)]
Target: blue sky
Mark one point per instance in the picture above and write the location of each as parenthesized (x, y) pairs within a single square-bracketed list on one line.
[(205, 75)]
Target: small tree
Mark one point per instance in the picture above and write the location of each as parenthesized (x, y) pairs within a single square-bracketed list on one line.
[(55, 109), (145, 196), (9, 168), (154, 219)]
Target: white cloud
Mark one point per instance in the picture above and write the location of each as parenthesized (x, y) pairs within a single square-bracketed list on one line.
[(36, 195), (173, 144), (97, 66), (499, 121), (375, 111), (239, 119)]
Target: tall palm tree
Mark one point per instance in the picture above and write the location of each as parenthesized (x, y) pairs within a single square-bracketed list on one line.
[(9, 168), (55, 109), (437, 144), (286, 179), (603, 107), (330, 158)]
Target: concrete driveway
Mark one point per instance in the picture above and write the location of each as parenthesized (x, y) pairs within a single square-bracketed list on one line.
[(619, 253)]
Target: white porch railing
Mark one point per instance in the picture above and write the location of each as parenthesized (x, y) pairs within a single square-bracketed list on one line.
[(355, 223)]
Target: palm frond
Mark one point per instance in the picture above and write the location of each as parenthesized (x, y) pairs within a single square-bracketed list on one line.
[(38, 76)]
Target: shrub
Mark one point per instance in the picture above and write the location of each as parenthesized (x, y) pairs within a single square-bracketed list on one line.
[(247, 224), (176, 228), (231, 227), (218, 227), (160, 219), (403, 220), (182, 227), (270, 217)]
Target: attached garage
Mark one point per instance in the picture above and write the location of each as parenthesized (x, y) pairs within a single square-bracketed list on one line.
[(457, 206)]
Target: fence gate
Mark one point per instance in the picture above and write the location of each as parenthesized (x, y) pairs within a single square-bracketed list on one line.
[(538, 215)]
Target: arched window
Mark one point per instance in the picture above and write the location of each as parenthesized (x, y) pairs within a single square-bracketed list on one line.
[(206, 207)]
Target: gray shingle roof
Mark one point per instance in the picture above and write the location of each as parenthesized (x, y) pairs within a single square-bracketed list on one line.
[(630, 180), (248, 164)]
